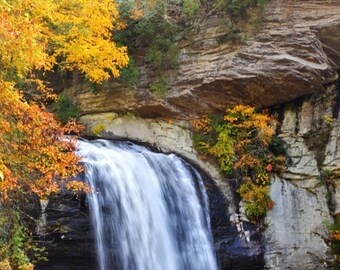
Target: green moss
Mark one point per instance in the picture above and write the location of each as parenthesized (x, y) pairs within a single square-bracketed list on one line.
[(111, 117), (97, 129), (130, 115)]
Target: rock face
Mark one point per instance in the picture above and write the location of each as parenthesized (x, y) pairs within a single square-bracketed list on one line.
[(304, 200), (65, 231), (293, 54)]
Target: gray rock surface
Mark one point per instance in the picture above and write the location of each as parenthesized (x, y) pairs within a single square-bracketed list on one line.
[(297, 231)]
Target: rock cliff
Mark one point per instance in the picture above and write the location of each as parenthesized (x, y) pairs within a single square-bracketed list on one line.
[(292, 54), (305, 200)]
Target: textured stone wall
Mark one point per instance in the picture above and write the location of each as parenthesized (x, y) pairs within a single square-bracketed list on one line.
[(304, 201), (294, 53)]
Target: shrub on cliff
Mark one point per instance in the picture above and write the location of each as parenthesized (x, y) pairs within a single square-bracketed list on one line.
[(240, 143)]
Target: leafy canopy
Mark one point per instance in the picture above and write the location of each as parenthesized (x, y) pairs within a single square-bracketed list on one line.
[(33, 157), (35, 36), (74, 34)]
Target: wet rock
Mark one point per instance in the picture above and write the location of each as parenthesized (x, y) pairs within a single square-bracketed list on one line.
[(67, 234)]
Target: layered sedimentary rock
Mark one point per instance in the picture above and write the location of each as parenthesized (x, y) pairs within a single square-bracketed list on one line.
[(292, 54)]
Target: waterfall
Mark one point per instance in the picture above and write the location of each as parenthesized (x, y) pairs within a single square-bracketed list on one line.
[(149, 210)]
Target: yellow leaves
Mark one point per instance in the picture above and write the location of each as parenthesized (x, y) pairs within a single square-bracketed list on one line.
[(256, 199), (97, 58), (245, 118), (224, 151), (23, 37), (239, 110), (85, 41), (334, 235), (33, 34), (246, 160), (136, 14), (202, 125), (262, 179), (27, 266), (5, 265), (240, 144)]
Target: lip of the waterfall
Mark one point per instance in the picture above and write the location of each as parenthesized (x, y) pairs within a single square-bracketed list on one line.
[(153, 148)]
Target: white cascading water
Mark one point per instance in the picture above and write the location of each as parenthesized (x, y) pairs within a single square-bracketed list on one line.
[(149, 210)]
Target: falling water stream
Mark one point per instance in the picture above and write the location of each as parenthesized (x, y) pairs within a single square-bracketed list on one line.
[(149, 210)]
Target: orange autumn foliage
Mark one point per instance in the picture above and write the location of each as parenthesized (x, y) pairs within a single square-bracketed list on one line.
[(37, 35), (34, 157)]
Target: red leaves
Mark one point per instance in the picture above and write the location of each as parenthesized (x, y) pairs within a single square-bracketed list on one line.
[(269, 168)]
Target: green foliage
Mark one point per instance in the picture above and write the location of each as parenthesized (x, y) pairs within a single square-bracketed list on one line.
[(276, 146), (256, 200), (223, 149), (129, 74), (237, 9), (66, 109), (233, 34), (153, 32), (158, 36), (16, 244), (190, 7), (159, 87), (334, 242)]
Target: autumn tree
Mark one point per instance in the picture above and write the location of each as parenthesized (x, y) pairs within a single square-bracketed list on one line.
[(74, 34), (35, 156)]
